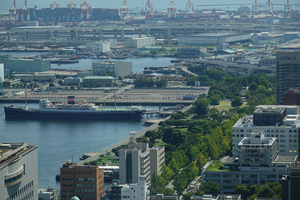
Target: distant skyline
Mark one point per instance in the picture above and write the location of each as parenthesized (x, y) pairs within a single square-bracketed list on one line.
[(158, 5)]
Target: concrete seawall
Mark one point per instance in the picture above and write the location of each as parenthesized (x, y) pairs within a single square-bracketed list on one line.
[(126, 141)]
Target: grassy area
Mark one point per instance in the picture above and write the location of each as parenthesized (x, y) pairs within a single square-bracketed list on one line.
[(181, 129), (115, 163), (227, 105), (160, 143), (216, 166), (105, 159)]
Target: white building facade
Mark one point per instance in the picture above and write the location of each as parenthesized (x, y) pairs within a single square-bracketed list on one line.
[(18, 171), (136, 190), (281, 122), (140, 42), (101, 47), (118, 68)]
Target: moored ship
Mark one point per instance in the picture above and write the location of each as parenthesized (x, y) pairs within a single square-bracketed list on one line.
[(72, 110)]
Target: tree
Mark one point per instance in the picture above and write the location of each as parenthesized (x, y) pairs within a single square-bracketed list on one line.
[(253, 86), (210, 188), (242, 189), (237, 101), (214, 101), (201, 161), (201, 106), (265, 192), (51, 84)]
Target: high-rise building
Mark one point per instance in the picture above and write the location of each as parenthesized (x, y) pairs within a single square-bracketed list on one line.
[(291, 183), (85, 182), (138, 160), (18, 171), (287, 72)]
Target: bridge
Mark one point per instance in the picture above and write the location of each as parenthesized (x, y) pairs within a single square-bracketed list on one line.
[(165, 30), (232, 65)]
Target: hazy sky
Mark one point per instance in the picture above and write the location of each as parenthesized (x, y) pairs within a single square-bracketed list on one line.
[(157, 4)]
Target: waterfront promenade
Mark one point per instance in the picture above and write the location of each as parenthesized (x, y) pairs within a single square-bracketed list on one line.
[(126, 141)]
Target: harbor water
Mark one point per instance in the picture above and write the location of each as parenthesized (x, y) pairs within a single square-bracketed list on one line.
[(62, 140)]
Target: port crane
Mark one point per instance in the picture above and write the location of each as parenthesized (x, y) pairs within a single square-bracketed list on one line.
[(13, 12), (71, 3), (54, 3), (171, 10), (149, 8), (288, 9), (84, 6), (255, 8), (189, 4), (125, 9)]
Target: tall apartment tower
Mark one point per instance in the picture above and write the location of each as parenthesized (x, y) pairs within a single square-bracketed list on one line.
[(18, 171), (85, 182), (138, 160), (287, 72), (291, 183)]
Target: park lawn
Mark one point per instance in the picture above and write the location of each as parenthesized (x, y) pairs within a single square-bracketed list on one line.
[(227, 105), (181, 129), (216, 166), (115, 163), (105, 159), (159, 143)]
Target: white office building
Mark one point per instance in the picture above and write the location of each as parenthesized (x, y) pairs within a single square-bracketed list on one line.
[(136, 190), (279, 121), (18, 171), (101, 47), (140, 42), (138, 160), (118, 68)]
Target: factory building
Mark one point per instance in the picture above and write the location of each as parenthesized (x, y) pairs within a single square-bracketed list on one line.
[(256, 162), (14, 64), (86, 182), (281, 122), (287, 72), (140, 42), (290, 36), (265, 37), (101, 47), (118, 68), (98, 81), (213, 38), (18, 171)]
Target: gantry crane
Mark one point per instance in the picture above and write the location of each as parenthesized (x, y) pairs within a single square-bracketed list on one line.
[(13, 12), (288, 9), (71, 3), (149, 8), (84, 6), (124, 8), (171, 10), (255, 8), (189, 4), (54, 3), (269, 7)]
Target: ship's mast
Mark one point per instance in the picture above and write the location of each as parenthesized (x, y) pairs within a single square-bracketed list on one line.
[(115, 100), (26, 107)]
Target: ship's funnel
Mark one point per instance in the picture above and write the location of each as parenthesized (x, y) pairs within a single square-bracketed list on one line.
[(71, 99)]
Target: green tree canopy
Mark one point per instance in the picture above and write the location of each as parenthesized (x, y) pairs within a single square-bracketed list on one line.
[(237, 101)]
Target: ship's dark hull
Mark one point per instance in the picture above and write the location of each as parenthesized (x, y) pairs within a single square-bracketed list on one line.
[(18, 112)]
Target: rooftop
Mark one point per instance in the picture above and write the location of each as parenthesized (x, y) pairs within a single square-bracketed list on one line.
[(218, 34), (216, 166), (98, 77)]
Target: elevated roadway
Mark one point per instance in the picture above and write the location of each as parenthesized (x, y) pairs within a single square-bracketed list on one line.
[(232, 65), (165, 29)]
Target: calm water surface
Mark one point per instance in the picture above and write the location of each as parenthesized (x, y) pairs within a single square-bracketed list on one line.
[(59, 140)]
